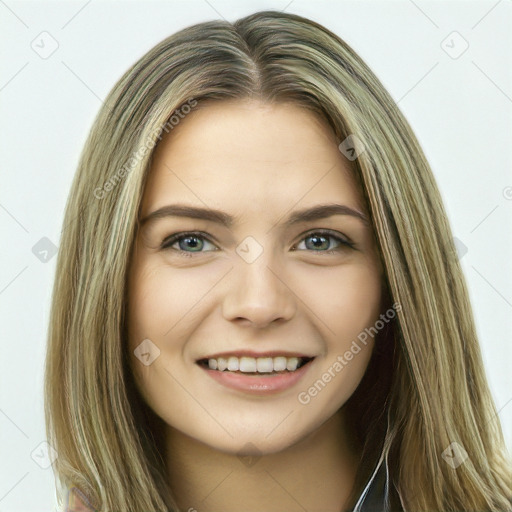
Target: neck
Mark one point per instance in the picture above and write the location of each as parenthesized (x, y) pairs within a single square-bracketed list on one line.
[(315, 474)]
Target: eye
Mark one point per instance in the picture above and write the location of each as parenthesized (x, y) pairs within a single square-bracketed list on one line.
[(192, 240), (196, 242), (320, 240)]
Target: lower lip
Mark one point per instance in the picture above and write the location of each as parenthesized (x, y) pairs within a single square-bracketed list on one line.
[(267, 384)]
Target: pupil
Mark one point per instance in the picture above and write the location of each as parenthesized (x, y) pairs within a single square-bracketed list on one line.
[(194, 242)]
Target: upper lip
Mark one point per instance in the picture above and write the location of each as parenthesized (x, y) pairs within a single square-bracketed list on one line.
[(251, 353)]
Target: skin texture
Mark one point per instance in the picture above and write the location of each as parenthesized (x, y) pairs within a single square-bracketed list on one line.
[(259, 163)]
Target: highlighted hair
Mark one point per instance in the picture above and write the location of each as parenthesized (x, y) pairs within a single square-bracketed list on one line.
[(425, 387)]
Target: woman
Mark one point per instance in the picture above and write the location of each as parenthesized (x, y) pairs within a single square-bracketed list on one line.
[(258, 303)]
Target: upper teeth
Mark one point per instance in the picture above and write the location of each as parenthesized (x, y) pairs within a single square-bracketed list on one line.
[(253, 364)]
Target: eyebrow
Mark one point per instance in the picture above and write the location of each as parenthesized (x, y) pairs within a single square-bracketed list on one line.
[(219, 217)]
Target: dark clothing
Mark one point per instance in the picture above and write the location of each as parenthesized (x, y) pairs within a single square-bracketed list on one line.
[(377, 496)]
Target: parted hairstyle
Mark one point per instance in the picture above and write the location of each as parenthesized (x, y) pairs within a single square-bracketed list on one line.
[(425, 386)]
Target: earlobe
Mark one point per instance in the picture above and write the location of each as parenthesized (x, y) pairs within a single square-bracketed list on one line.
[(77, 502)]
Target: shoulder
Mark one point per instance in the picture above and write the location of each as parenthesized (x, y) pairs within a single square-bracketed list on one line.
[(77, 501)]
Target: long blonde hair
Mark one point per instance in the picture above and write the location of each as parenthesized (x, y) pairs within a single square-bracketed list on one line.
[(427, 386)]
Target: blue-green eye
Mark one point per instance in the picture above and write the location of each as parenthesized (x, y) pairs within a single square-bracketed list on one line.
[(320, 240), (195, 241)]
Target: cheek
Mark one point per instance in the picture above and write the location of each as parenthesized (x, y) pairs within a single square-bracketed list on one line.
[(348, 305), (347, 300), (152, 307), (156, 304), (161, 301), (163, 304)]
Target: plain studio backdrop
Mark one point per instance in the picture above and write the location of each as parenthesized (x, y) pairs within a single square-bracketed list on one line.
[(447, 65)]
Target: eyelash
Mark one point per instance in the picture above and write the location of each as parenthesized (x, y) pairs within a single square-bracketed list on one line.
[(172, 239)]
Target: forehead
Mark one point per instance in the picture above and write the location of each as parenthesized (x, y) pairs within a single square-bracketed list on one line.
[(247, 155)]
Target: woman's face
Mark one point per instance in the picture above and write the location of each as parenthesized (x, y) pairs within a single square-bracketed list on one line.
[(253, 288)]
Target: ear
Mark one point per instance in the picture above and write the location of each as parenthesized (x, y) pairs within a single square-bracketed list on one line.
[(77, 502)]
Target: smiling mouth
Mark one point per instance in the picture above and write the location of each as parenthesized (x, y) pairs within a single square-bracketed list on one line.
[(255, 366)]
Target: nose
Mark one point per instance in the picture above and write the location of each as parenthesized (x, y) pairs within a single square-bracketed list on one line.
[(258, 294)]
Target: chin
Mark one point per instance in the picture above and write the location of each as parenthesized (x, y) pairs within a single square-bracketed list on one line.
[(256, 442)]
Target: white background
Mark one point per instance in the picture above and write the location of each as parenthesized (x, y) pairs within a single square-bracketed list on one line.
[(460, 109)]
